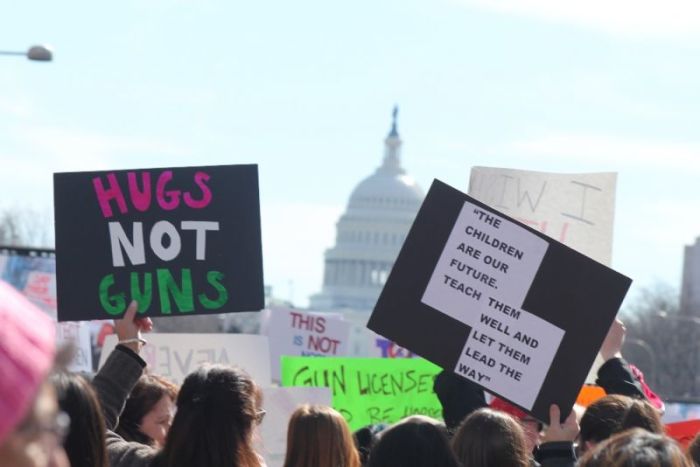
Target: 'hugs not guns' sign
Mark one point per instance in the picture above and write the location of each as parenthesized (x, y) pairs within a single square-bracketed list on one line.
[(178, 241)]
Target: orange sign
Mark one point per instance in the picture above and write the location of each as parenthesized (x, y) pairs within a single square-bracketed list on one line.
[(589, 394)]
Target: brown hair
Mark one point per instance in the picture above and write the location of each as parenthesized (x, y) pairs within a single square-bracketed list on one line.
[(318, 436), (217, 409), (615, 413), (636, 448), (85, 443), (148, 391), (490, 438)]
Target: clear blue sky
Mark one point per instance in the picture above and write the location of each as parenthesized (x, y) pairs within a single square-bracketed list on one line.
[(305, 90)]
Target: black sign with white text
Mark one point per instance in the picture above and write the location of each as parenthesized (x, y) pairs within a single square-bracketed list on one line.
[(497, 302), (179, 241)]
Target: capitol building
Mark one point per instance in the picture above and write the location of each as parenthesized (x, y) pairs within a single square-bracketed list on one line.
[(370, 234)]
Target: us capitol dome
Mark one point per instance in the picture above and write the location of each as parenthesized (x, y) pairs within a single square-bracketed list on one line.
[(370, 233)]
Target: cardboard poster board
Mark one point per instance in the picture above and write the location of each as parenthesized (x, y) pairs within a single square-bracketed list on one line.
[(300, 333), (76, 334), (33, 272), (179, 241), (280, 404), (369, 390), (575, 209), (498, 302), (174, 356)]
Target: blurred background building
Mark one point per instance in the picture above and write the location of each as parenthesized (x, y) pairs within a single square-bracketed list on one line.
[(690, 283), (370, 233)]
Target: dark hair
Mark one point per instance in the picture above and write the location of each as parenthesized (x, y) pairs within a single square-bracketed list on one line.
[(641, 414), (615, 413), (85, 443), (636, 448), (365, 438), (458, 397), (148, 391), (413, 442), (217, 408), (318, 436), (490, 438)]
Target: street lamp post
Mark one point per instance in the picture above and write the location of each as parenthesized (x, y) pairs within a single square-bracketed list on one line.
[(39, 53)]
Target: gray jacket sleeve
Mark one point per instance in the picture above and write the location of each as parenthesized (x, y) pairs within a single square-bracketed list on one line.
[(113, 384)]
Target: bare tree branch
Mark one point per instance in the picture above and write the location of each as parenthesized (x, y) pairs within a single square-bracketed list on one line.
[(663, 342)]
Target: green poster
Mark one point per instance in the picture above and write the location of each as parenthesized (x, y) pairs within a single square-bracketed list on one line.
[(369, 390)]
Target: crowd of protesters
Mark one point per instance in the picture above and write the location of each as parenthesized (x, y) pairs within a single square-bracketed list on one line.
[(123, 417)]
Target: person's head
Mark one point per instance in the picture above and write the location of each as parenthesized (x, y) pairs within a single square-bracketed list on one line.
[(636, 448), (490, 438), (149, 411), (613, 414), (365, 439), (530, 425), (458, 397), (85, 443), (31, 426), (318, 436), (218, 408), (414, 442)]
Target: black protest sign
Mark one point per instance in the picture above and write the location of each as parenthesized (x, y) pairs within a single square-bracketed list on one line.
[(497, 302), (179, 241)]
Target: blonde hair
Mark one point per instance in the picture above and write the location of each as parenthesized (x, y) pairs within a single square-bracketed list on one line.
[(318, 436)]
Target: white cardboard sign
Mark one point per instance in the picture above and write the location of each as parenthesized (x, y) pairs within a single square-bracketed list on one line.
[(574, 209), (301, 333), (174, 356), (76, 334)]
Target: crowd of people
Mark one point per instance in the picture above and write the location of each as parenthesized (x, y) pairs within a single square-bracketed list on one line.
[(123, 417)]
